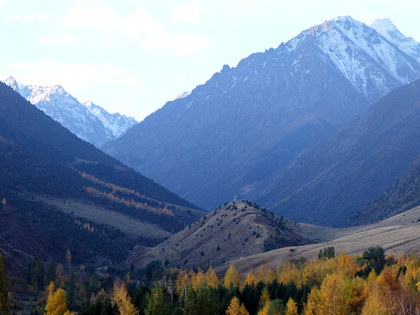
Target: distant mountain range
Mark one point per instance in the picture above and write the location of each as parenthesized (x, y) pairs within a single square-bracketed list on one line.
[(231, 135), (88, 121), (58, 191)]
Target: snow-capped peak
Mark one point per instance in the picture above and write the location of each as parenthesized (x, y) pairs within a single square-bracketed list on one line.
[(406, 44), (384, 26), (88, 121)]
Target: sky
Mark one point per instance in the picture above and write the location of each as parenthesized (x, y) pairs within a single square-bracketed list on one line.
[(132, 56)]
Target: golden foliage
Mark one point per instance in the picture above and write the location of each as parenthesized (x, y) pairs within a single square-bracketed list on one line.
[(232, 277), (130, 202), (236, 308), (56, 302), (291, 307), (122, 300)]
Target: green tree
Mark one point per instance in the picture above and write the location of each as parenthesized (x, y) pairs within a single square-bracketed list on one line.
[(4, 288), (201, 300), (326, 253), (50, 276), (157, 302), (374, 258)]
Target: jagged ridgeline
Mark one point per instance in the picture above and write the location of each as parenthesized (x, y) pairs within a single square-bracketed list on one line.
[(70, 194)]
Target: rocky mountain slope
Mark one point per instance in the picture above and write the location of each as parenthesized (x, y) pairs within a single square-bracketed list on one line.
[(249, 121), (58, 191), (234, 230), (354, 165), (88, 121), (404, 195)]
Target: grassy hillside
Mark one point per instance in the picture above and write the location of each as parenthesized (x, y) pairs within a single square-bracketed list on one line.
[(237, 229)]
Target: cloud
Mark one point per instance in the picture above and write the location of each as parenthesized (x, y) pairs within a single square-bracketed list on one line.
[(140, 24), (187, 12), (65, 39), (75, 77)]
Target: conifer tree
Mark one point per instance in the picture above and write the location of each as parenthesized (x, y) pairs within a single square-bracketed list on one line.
[(122, 300), (232, 277), (291, 307), (4, 288), (236, 308), (211, 278), (156, 302), (200, 300)]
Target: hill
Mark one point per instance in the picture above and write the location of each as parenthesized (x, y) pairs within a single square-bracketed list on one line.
[(398, 234), (249, 121), (68, 194), (404, 195), (234, 230), (354, 165)]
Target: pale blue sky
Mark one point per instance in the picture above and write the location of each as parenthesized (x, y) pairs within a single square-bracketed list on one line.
[(132, 56)]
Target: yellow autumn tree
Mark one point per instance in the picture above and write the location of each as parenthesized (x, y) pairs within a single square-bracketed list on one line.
[(56, 302), (197, 279), (264, 298), (232, 277), (250, 279), (236, 308), (182, 281), (211, 278), (122, 300), (291, 307), (328, 299)]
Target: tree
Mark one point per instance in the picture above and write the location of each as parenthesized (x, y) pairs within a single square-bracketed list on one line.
[(157, 303), (232, 277), (236, 308), (122, 300), (374, 258), (56, 303), (68, 256), (291, 307), (211, 278), (4, 288), (201, 300), (326, 253), (50, 276)]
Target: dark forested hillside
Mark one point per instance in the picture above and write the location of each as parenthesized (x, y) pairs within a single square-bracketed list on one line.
[(44, 167)]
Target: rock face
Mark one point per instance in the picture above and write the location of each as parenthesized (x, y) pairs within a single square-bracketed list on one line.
[(354, 165), (248, 122), (88, 121), (237, 229)]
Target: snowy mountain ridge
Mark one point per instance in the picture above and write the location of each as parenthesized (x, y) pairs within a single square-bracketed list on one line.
[(88, 121), (357, 49)]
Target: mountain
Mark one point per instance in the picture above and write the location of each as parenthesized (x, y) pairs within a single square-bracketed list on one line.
[(406, 44), (404, 195), (250, 121), (354, 165), (88, 121), (58, 191), (236, 229)]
